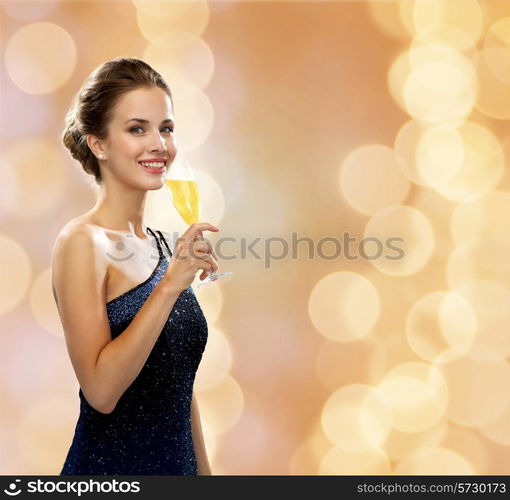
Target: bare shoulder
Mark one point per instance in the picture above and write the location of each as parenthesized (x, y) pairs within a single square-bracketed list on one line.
[(79, 243), (78, 237)]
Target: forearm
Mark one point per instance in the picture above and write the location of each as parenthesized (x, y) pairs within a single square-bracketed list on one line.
[(121, 360), (203, 466)]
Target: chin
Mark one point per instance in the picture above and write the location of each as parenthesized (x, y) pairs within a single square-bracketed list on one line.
[(157, 182), (150, 181), (158, 185), (146, 184)]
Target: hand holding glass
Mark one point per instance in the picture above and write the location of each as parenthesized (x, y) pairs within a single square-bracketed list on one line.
[(183, 189)]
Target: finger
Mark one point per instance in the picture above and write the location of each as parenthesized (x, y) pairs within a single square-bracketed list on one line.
[(206, 273), (202, 247), (213, 253), (208, 248), (206, 269), (213, 265), (194, 249), (195, 230)]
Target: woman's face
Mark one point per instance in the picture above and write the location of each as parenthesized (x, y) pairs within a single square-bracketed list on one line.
[(131, 141)]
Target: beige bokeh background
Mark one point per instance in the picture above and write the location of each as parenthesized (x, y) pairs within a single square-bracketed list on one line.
[(381, 119)]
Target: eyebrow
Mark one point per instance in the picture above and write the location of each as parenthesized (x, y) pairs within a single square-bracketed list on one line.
[(141, 120)]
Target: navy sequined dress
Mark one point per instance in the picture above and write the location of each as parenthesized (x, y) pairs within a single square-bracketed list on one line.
[(149, 431)]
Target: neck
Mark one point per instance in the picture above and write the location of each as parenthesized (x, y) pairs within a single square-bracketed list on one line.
[(120, 208)]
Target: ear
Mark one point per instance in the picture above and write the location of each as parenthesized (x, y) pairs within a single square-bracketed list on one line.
[(95, 145)]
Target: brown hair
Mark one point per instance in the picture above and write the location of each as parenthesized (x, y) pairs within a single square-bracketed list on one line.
[(92, 106)]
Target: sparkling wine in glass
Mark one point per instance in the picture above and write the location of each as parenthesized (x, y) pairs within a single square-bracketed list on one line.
[(183, 188)]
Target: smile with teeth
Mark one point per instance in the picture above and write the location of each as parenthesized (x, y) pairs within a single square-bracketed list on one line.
[(157, 164)]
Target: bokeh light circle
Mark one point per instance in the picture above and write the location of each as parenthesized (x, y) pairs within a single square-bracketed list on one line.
[(15, 273), (341, 462), (40, 174), (434, 83), (172, 24), (400, 444), (464, 14), (498, 431), (162, 9), (445, 36), (471, 445), (43, 305), (406, 144), (439, 156), (211, 302), (441, 326), (482, 168), (481, 258), (434, 462), (407, 239), (478, 390), (344, 306), (370, 179), (498, 34), (356, 418), (37, 10), (484, 216), (460, 164), (438, 92), (489, 300), (397, 76), (386, 16), (194, 115), (306, 458), (192, 63), (491, 64), (216, 361), (418, 395), (30, 57), (221, 406)]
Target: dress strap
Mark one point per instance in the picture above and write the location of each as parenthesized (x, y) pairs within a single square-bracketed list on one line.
[(165, 243), (160, 250)]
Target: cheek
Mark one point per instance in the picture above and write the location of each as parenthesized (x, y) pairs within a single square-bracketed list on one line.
[(172, 149), (133, 147)]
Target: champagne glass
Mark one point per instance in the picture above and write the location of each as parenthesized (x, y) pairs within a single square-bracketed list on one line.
[(183, 189)]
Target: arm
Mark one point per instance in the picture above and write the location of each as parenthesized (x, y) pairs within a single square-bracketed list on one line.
[(105, 368), (198, 440)]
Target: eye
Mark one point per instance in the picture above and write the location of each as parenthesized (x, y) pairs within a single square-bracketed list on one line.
[(170, 129)]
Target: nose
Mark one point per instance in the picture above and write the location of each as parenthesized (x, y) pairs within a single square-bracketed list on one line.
[(158, 144)]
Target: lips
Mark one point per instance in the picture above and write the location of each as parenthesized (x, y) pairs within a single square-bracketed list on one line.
[(153, 170)]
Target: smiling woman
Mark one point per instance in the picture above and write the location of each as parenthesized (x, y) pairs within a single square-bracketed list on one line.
[(134, 330), (98, 121)]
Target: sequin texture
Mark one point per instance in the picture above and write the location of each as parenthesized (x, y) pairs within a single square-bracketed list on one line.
[(149, 431)]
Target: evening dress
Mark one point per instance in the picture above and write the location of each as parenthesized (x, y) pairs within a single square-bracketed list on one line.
[(149, 431)]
